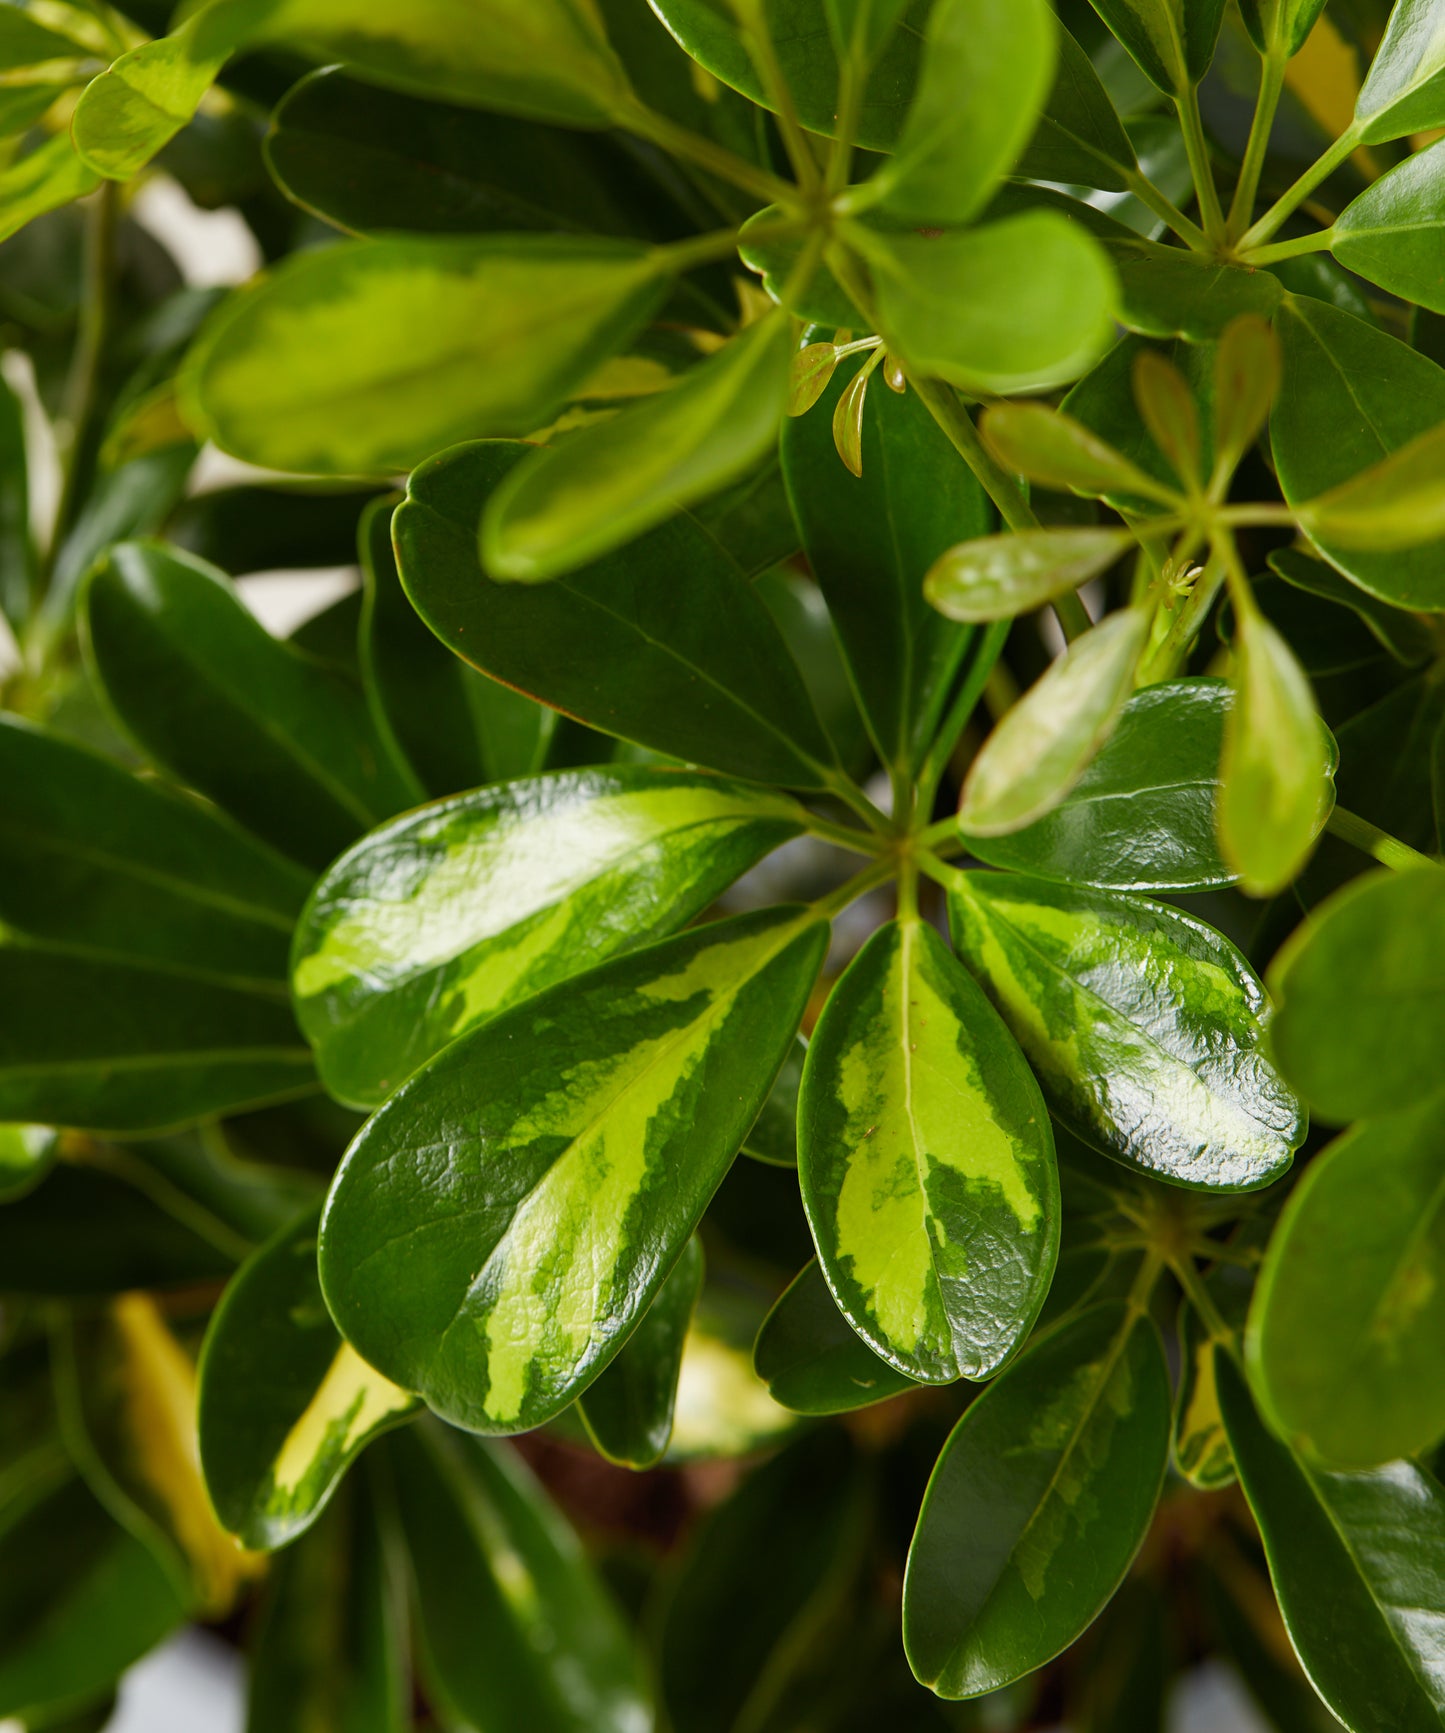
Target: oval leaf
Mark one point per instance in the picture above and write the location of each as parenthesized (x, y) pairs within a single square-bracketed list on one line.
[(997, 577), (548, 1168), (1173, 41), (1038, 1504), (926, 1162), (1050, 447), (1405, 91), (1142, 1024), (813, 1360)]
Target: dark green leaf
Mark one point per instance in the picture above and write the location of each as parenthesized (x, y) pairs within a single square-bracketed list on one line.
[(515, 1630), (1397, 504), (870, 541), (1362, 996), (752, 519), (462, 909), (1406, 636), (1172, 40), (926, 1162), (1405, 91), (1142, 1024), (1177, 294), (285, 1405), (272, 737), (17, 551), (1390, 233), (813, 1360), (280, 527), (1038, 1504), (331, 1647), (598, 490), (1349, 1312), (565, 1150), (1354, 1559), (774, 1136), (628, 1410), (1283, 23), (1141, 818), (1080, 138), (1353, 395), (302, 371), (695, 669)]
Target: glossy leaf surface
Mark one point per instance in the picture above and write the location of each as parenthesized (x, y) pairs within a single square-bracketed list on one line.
[(1374, 395), (1388, 234), (302, 372), (1044, 744), (566, 1143), (1172, 40), (605, 486), (870, 540), (455, 912), (813, 1360), (1142, 1024), (926, 1162), (1347, 1321), (515, 1629), (696, 670), (285, 1405), (274, 738), (1405, 91), (26, 1155), (1354, 1558), (1362, 995), (1141, 817), (628, 1410), (1283, 22), (1038, 1504)]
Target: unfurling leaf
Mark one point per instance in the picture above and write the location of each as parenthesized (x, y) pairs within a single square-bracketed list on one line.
[(811, 372), (848, 416)]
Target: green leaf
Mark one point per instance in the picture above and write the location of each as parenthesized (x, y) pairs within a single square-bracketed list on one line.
[(376, 161), (27, 1154), (564, 1150), (1080, 138), (84, 1232), (822, 300), (696, 670), (17, 548), (1285, 23), (1351, 1557), (1398, 504), (1104, 402), (330, 1649), (1353, 395), (51, 175), (863, 27), (1167, 408), (98, 861), (1142, 1024), (813, 1360), (544, 58), (1041, 748), (628, 1410), (1246, 381), (515, 1629), (870, 540), (1407, 637), (274, 738), (285, 1405), (1201, 1449), (303, 370), (1050, 447), (926, 1162), (1389, 233), (1405, 91), (1172, 41), (1141, 817), (1276, 775), (576, 502), (1022, 304), (773, 1139), (765, 1578), (282, 526), (1345, 1330), (1177, 294), (129, 1048), (458, 911), (997, 577), (800, 29), (80, 1599), (1362, 991), (951, 155), (1038, 1504)]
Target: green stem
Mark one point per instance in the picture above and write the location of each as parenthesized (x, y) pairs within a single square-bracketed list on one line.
[(1167, 211), (832, 905), (852, 80), (1196, 148), (842, 787), (1271, 88), (1199, 1296), (1320, 242), (1339, 152), (931, 771), (1145, 1282), (681, 141), (779, 96), (1373, 841), (865, 842)]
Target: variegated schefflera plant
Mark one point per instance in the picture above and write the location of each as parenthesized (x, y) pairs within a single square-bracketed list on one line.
[(883, 536)]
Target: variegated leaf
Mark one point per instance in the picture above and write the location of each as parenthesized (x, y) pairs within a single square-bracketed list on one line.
[(926, 1162), (1142, 1024), (450, 914), (501, 1225)]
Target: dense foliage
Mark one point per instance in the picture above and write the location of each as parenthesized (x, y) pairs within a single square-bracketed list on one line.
[(738, 952)]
